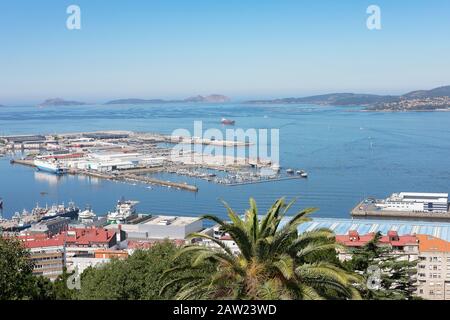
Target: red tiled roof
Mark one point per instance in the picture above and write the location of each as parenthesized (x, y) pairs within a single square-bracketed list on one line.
[(88, 235), (353, 239), (75, 237)]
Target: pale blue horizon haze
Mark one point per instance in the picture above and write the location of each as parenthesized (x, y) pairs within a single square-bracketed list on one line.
[(243, 49)]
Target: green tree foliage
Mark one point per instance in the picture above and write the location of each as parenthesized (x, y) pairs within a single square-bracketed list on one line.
[(16, 274), (60, 289), (15, 270), (274, 262), (137, 277), (397, 277)]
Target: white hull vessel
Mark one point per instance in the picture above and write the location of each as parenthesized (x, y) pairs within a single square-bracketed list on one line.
[(124, 209), (50, 166)]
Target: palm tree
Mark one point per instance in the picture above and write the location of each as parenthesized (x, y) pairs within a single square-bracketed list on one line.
[(274, 260)]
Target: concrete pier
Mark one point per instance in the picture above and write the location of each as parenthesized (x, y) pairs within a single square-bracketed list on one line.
[(131, 175)]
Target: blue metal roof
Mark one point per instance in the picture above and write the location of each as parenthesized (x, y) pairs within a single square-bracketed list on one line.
[(342, 226)]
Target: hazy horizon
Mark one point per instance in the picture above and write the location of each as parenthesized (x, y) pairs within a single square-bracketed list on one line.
[(236, 99)]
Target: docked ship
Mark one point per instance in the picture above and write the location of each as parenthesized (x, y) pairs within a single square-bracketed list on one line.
[(228, 122), (71, 211), (50, 166), (24, 220), (124, 210), (18, 222), (412, 205), (87, 215)]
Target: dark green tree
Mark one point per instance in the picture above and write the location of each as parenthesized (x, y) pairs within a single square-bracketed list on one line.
[(136, 278), (387, 276), (15, 270), (60, 288)]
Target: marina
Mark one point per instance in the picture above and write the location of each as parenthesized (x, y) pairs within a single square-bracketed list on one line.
[(134, 157)]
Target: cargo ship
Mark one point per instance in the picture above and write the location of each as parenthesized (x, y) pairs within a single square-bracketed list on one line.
[(50, 166)]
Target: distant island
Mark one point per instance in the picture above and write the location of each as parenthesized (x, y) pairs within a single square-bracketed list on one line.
[(60, 102), (213, 98), (421, 100)]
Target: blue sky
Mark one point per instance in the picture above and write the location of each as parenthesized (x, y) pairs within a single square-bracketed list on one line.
[(244, 49)]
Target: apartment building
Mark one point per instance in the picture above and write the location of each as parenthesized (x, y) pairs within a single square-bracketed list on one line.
[(433, 269), (47, 255)]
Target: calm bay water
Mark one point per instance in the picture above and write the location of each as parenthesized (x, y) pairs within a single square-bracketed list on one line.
[(348, 155)]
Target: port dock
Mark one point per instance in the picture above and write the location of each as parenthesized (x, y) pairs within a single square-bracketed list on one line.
[(142, 157), (369, 211), (124, 176)]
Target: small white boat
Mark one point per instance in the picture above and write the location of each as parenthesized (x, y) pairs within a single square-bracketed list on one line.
[(302, 173)]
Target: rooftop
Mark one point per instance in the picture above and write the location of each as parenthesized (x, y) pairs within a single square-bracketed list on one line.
[(424, 194), (77, 236), (342, 226), (433, 244), (171, 220), (354, 239)]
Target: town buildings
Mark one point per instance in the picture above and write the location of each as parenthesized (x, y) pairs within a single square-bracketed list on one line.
[(433, 269), (404, 247)]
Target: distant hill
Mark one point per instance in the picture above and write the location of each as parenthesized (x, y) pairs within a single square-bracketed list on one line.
[(60, 102), (136, 101), (349, 99), (337, 99), (213, 98), (433, 93)]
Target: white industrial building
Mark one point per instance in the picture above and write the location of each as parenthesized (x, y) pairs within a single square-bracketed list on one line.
[(162, 227), (415, 202), (106, 162)]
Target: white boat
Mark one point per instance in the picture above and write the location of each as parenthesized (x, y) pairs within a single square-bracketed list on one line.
[(87, 215), (124, 209), (50, 166), (302, 173)]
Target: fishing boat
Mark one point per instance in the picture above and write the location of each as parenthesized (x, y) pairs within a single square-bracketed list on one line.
[(124, 209), (71, 211), (87, 215)]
